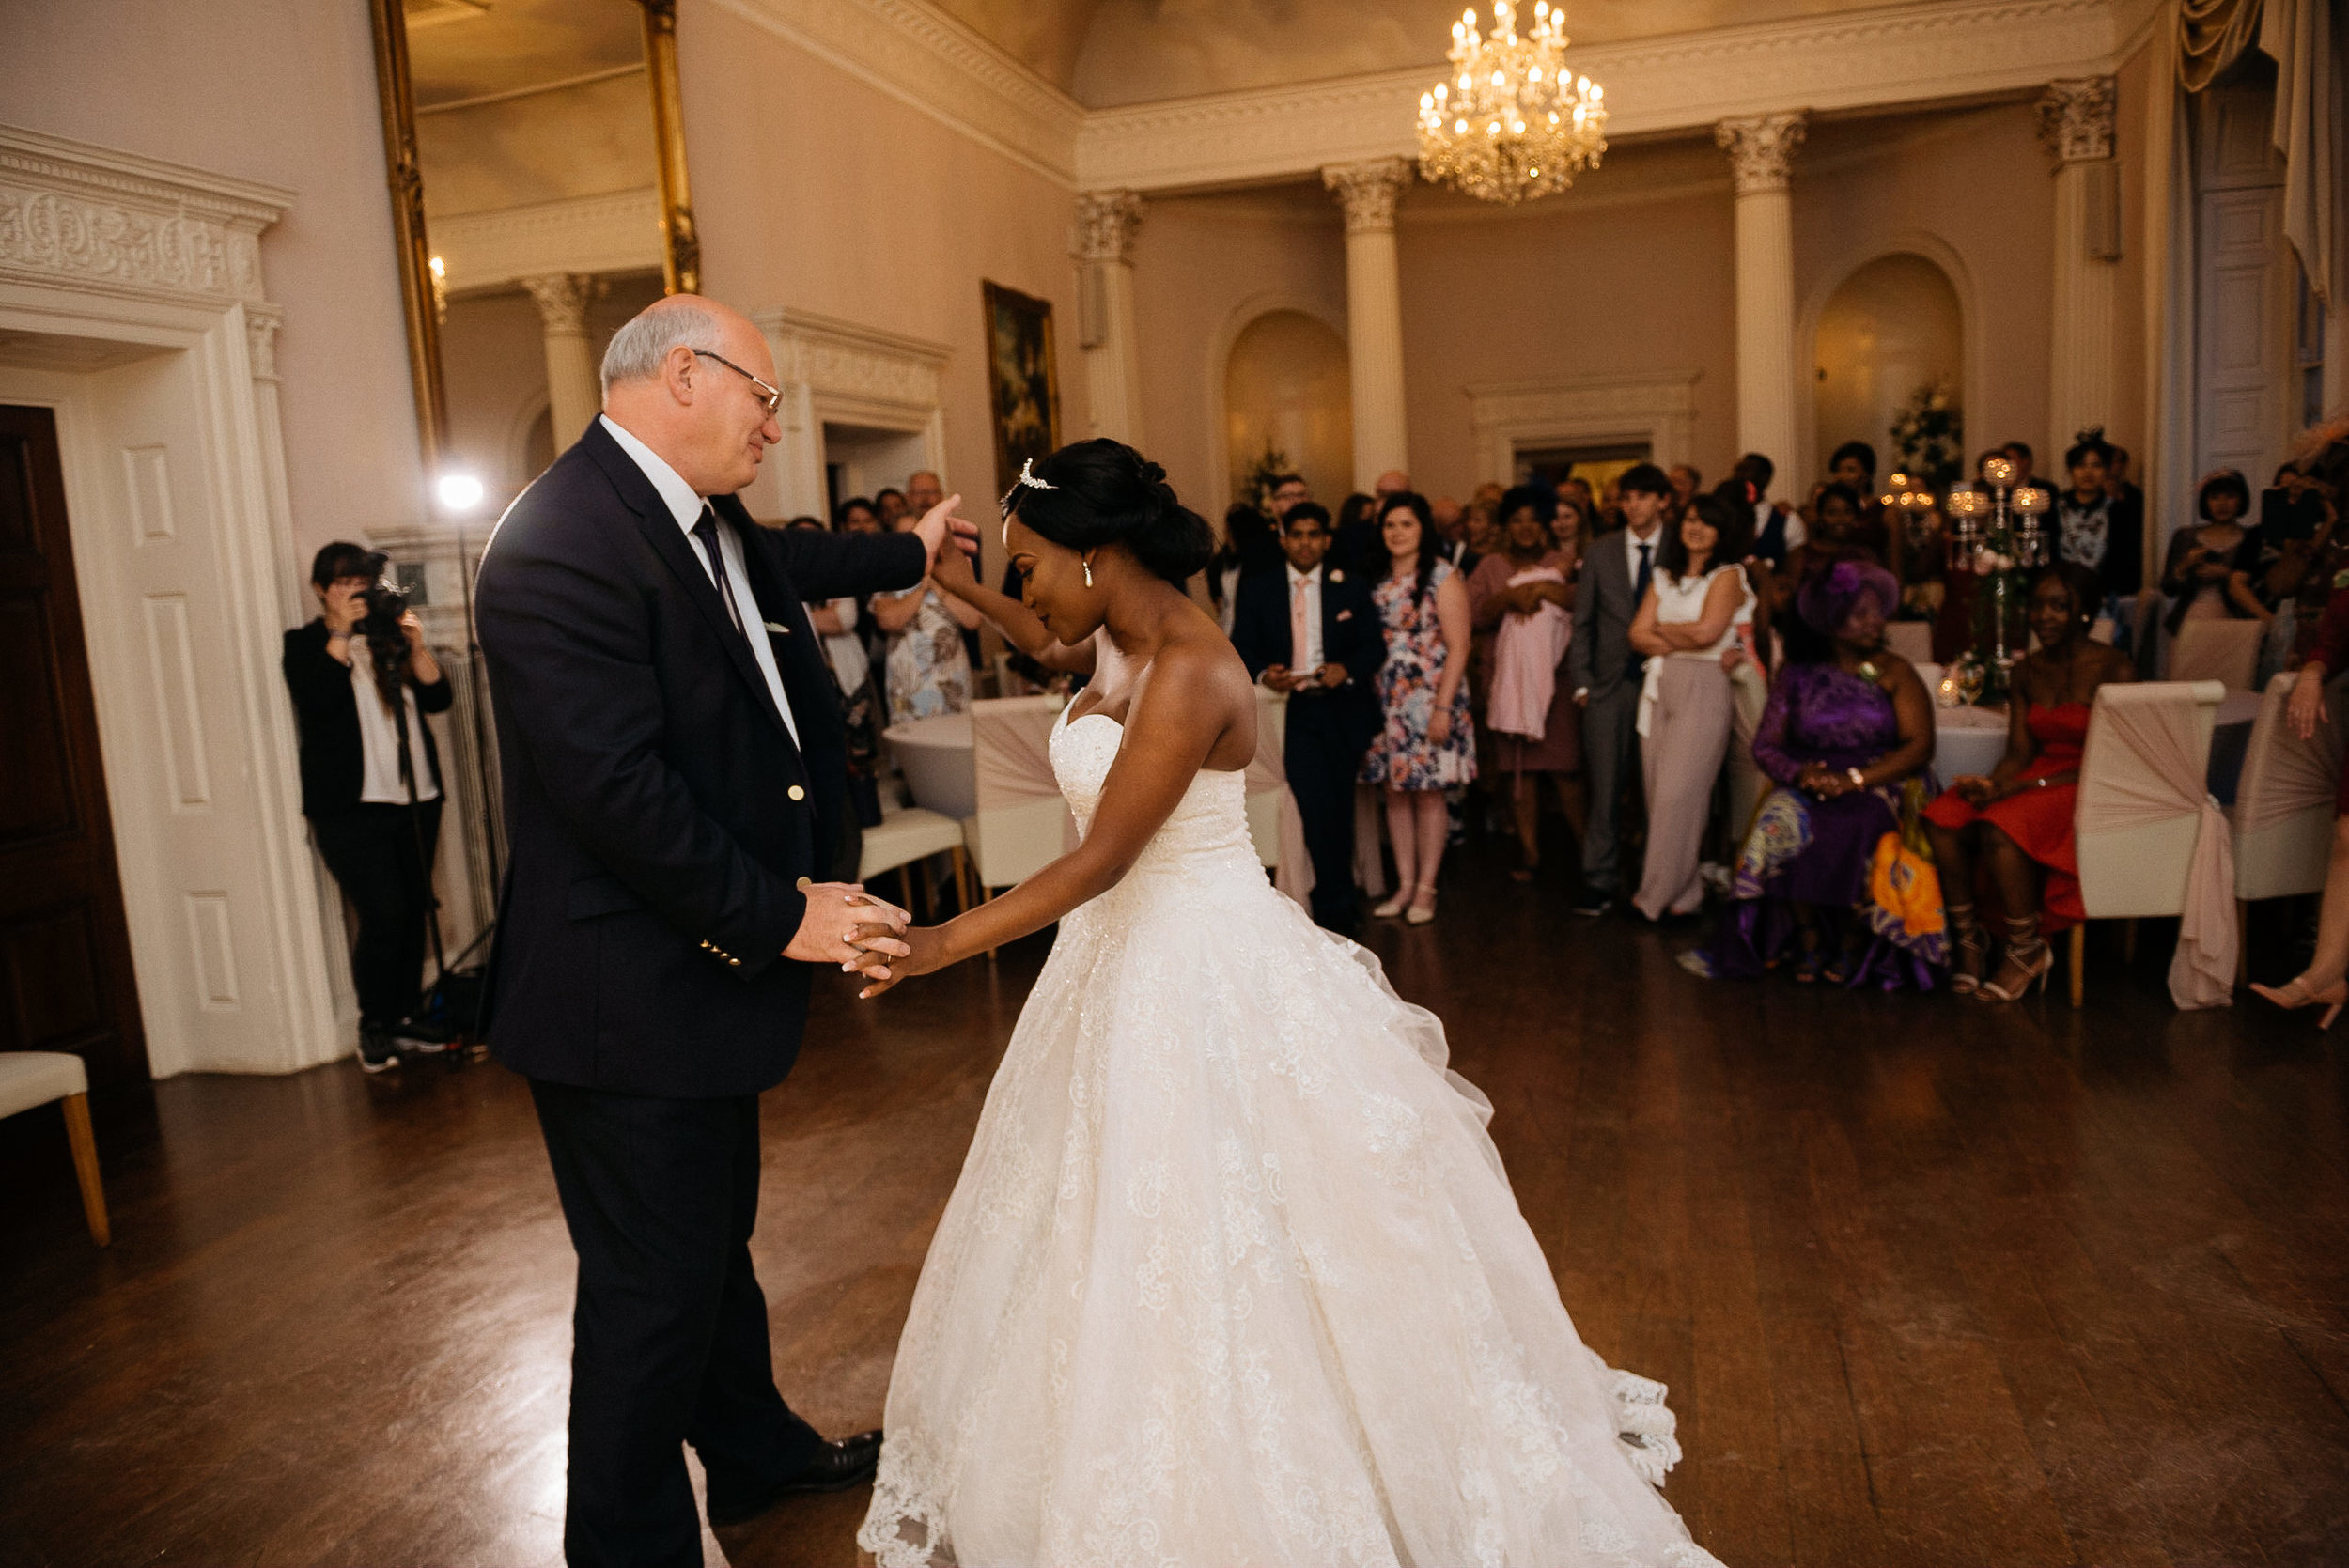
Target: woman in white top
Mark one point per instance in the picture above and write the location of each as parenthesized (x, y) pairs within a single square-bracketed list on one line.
[(1690, 626)]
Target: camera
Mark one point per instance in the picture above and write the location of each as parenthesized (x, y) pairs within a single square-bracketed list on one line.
[(383, 597)]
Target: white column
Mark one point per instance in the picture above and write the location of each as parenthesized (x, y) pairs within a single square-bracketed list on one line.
[(1374, 313), (1106, 223), (574, 393), (1760, 148), (2076, 122)]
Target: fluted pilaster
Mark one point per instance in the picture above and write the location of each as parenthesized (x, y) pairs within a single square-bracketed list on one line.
[(1374, 313), (2076, 121), (1107, 222), (1761, 150), (573, 392)]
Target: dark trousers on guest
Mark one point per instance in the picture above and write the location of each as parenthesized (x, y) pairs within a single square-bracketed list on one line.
[(1323, 753), (382, 857), (669, 1333), (1611, 758)]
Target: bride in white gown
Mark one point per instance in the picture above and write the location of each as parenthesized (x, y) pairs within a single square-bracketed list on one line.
[(1232, 1276)]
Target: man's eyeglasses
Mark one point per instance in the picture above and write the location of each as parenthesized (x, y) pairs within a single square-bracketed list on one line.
[(771, 396)]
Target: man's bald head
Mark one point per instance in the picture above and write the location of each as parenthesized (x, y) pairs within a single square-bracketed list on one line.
[(684, 377), (1393, 482), (924, 491)]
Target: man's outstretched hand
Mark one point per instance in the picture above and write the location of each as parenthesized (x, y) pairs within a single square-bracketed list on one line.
[(846, 926), (939, 528)]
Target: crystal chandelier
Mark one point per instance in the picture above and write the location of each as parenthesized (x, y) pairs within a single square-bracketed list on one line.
[(1513, 121)]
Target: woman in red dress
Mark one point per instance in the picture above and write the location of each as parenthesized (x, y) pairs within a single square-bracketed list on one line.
[(2018, 820)]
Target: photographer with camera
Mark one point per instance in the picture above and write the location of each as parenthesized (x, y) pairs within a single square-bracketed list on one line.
[(362, 681)]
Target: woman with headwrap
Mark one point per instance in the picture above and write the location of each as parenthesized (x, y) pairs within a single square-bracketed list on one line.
[(1826, 875)]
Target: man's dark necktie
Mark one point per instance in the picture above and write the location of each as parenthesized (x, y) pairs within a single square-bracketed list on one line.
[(706, 530), (1638, 589)]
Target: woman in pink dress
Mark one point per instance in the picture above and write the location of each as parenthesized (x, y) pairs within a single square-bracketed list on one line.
[(1511, 591)]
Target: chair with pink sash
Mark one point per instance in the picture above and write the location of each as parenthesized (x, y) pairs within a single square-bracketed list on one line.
[(2152, 841)]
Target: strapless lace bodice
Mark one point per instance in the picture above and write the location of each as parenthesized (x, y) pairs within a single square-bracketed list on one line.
[(1208, 829)]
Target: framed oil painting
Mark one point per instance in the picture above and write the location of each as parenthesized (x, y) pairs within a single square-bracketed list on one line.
[(1021, 380)]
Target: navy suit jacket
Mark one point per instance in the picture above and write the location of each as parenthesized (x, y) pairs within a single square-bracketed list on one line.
[(659, 817), (1352, 635)]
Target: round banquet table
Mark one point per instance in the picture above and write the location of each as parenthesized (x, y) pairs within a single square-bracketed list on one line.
[(935, 756)]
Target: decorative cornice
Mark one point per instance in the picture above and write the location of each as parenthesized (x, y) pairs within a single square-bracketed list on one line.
[(130, 224), (1926, 51), (934, 64), (1760, 149), (2076, 119), (562, 300), (1369, 191), (1106, 224), (615, 233), (847, 362)]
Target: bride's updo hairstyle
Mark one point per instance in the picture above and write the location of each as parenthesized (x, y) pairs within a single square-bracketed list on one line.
[(1104, 493)]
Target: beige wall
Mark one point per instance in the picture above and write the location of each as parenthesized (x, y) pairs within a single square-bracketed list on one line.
[(1203, 268), (1972, 189), (280, 91), (817, 192)]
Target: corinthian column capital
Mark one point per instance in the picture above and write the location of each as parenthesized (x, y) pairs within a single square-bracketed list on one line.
[(1368, 192), (562, 300), (1106, 224), (1760, 148), (2076, 119)]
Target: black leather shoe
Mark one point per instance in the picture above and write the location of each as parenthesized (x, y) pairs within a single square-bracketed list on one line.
[(844, 1463)]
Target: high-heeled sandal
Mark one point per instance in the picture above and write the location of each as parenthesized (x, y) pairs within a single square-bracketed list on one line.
[(2026, 950), (1966, 937), (2294, 994)]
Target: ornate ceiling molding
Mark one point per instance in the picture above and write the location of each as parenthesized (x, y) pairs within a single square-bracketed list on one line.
[(101, 219), (615, 233), (1921, 52), (934, 64)]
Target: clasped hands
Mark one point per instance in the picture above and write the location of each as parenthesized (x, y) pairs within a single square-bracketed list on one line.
[(846, 926), (1280, 677), (1825, 783)]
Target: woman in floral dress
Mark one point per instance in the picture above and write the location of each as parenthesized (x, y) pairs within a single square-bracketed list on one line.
[(1428, 743), (930, 669)]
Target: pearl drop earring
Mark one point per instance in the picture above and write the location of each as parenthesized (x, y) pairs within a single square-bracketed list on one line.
[(1088, 560)]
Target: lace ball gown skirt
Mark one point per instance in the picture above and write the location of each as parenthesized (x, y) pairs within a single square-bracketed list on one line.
[(1233, 1274)]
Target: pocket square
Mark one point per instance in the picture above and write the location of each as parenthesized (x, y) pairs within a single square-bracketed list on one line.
[(778, 628), (1345, 614)]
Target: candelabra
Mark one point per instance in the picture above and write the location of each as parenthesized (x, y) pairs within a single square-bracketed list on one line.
[(1995, 532)]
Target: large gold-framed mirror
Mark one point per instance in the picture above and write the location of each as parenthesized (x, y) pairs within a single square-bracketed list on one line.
[(538, 191)]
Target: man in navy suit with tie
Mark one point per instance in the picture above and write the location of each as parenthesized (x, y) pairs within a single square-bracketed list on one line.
[(1314, 632), (675, 774)]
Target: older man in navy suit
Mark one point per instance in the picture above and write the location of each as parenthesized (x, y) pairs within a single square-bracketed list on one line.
[(676, 791)]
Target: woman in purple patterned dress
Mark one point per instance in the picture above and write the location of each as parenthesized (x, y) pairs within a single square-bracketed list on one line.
[(1848, 724), (1428, 743)]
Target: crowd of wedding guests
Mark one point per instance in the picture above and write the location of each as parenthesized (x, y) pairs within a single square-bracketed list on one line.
[(1686, 694)]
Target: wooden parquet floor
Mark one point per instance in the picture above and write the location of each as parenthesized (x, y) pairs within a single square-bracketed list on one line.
[(1933, 1283)]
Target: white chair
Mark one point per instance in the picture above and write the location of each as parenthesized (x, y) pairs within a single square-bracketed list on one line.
[(2226, 651), (1018, 824), (34, 1078), (1912, 640), (2283, 816), (1274, 825), (2151, 840), (911, 833)]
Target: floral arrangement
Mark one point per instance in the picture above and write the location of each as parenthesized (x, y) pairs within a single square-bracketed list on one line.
[(1929, 434), (1256, 487)]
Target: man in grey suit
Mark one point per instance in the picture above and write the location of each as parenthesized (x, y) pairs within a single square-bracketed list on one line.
[(1606, 673)]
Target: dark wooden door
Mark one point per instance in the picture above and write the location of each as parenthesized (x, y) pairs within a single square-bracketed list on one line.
[(65, 950)]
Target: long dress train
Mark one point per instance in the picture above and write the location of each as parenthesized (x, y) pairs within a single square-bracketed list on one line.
[(1233, 1274)]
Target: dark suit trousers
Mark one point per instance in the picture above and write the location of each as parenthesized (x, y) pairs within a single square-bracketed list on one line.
[(1322, 753), (669, 1333), (382, 857), (1611, 758)]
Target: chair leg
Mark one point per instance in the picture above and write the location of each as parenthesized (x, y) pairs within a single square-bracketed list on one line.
[(2242, 942), (961, 860), (77, 1132), (2079, 960), (987, 895), (2128, 941)]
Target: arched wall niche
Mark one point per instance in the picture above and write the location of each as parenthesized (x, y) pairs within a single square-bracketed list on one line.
[(1283, 379), (1892, 325), (1927, 247)]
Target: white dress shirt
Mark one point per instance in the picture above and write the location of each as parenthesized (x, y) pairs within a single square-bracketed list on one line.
[(1311, 580), (380, 783), (685, 505), (1631, 543)]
